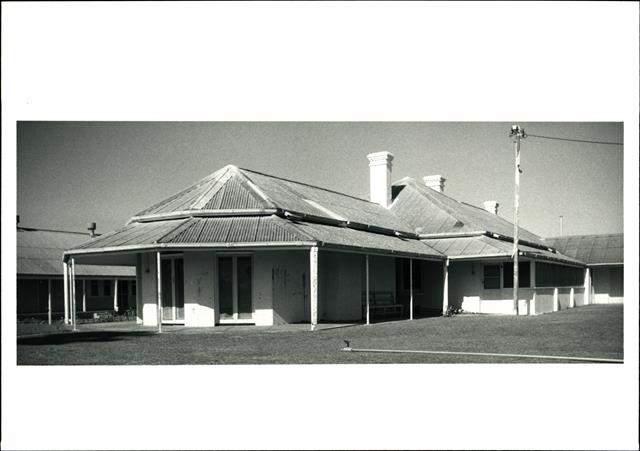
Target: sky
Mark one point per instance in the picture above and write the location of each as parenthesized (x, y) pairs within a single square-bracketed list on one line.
[(72, 173)]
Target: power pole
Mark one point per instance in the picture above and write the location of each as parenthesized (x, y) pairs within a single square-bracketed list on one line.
[(517, 133)]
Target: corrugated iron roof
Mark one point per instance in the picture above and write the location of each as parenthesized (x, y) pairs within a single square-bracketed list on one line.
[(485, 246), (232, 188), (591, 249), (39, 252), (428, 211), (259, 230)]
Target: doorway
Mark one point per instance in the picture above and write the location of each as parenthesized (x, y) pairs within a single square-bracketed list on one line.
[(172, 289), (235, 288)]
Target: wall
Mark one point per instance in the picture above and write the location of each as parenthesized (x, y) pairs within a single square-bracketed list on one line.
[(607, 285), (148, 289), (563, 298), (544, 300), (199, 284), (340, 286), (466, 290), (427, 300), (288, 288)]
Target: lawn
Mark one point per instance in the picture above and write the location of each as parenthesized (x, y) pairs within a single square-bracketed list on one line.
[(590, 331)]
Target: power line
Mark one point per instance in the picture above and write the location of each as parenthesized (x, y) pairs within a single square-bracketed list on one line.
[(576, 140)]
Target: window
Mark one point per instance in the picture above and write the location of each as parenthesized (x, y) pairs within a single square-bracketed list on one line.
[(94, 289), (524, 274), (417, 279), (106, 288), (133, 288), (491, 277), (550, 275)]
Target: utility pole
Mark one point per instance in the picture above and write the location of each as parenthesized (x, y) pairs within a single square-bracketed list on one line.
[(517, 133)]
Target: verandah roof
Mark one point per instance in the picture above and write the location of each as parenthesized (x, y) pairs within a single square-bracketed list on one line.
[(482, 246), (607, 249), (248, 231)]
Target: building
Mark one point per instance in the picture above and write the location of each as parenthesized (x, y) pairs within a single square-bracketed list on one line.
[(604, 256), (478, 244), (40, 278), (242, 247)]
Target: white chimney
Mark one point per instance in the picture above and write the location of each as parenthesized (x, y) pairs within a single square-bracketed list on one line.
[(491, 206), (435, 182), (380, 178)]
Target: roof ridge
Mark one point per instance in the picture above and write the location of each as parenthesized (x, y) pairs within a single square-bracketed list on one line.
[(307, 184)]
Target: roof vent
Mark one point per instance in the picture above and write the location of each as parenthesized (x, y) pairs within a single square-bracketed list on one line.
[(92, 229)]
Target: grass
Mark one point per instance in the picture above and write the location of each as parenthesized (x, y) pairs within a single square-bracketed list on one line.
[(591, 331)]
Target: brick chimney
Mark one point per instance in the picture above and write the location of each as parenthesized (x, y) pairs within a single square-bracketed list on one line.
[(491, 206), (380, 178), (435, 182)]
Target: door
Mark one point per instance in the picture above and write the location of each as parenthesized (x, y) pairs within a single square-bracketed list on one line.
[(172, 269), (235, 288)]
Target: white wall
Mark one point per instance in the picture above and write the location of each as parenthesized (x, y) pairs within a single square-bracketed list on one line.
[(148, 289), (281, 287), (466, 290), (200, 302)]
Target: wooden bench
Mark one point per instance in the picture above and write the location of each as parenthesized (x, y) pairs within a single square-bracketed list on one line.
[(381, 303)]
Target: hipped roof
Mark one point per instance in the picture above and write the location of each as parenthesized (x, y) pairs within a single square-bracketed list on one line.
[(604, 249), (270, 231), (236, 207), (233, 188), (428, 211), (39, 253)]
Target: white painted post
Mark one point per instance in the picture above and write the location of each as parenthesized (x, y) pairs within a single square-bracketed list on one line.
[(159, 292), (411, 289), (587, 286), (73, 293), (49, 300), (445, 288), (366, 267), (313, 285), (115, 295), (556, 304), (65, 271), (572, 299), (84, 295)]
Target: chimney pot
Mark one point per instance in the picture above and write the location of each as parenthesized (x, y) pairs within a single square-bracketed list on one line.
[(491, 206), (92, 229), (380, 177), (435, 182)]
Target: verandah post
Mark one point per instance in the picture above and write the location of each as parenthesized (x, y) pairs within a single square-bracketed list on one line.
[(65, 271), (159, 292), (73, 293), (410, 288), (313, 285), (49, 300), (366, 260), (445, 287), (84, 295), (115, 295)]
